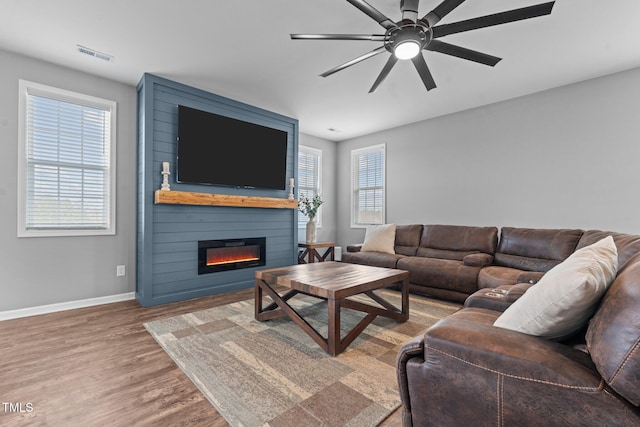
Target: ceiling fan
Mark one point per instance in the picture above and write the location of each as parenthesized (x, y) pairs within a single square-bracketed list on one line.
[(406, 38)]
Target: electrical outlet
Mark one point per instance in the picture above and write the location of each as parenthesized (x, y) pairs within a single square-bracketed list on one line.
[(120, 270)]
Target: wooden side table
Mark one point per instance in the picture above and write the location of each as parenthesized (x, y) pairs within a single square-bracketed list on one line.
[(311, 254)]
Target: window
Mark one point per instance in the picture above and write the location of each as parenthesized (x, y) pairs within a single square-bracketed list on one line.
[(309, 178), (367, 186), (66, 163)]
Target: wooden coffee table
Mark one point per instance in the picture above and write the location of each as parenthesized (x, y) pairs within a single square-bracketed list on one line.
[(333, 282)]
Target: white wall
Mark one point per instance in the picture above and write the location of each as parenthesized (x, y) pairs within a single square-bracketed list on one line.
[(567, 157), (327, 231), (49, 270)]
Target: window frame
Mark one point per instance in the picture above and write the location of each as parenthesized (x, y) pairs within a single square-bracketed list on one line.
[(354, 187), (317, 152), (28, 88)]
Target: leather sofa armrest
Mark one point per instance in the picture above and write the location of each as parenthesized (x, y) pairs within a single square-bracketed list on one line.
[(531, 277), (516, 291), (466, 356), (412, 348), (496, 350), (478, 260), (354, 248)]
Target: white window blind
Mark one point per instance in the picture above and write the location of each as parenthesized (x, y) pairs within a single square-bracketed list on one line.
[(309, 179), (67, 158), (368, 186)]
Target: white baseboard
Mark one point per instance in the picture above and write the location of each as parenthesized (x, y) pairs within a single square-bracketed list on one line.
[(70, 305)]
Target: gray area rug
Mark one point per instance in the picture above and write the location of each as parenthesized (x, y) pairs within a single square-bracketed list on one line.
[(273, 374)]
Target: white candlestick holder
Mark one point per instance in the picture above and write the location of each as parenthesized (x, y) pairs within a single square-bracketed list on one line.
[(291, 189), (165, 177)]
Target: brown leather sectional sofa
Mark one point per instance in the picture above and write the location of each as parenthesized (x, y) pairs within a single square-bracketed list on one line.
[(465, 371), (454, 261), (443, 260)]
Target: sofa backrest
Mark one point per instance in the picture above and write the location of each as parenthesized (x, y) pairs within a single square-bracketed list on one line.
[(407, 239), (613, 336), (535, 249), (456, 241), (627, 244)]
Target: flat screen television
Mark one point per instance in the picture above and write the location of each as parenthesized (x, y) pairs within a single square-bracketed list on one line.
[(219, 150)]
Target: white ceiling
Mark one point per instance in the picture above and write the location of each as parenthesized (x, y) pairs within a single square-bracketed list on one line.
[(242, 50)]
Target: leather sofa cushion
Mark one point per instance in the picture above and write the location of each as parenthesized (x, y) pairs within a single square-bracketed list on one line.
[(439, 293), (376, 259), (408, 239), (478, 260), (490, 298), (440, 273), (628, 245), (456, 241), (531, 277), (443, 254), (613, 336), (516, 291), (525, 263), (494, 276), (535, 249), (497, 299)]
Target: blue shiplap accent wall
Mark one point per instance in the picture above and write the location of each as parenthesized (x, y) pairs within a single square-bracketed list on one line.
[(167, 252)]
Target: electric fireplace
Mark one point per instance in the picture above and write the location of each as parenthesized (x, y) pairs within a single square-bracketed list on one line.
[(230, 254)]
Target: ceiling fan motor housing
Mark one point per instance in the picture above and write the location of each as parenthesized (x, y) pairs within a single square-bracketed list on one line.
[(407, 31)]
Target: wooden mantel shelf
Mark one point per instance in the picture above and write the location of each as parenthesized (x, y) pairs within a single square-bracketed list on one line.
[(190, 198)]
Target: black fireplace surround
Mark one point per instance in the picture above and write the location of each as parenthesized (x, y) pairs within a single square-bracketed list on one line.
[(231, 254)]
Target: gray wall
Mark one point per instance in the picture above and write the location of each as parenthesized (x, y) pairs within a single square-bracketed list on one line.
[(327, 232), (39, 271), (566, 157), (561, 158)]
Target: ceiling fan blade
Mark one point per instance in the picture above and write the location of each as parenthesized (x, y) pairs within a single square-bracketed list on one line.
[(423, 70), (385, 72), (494, 19), (409, 5), (461, 52), (372, 37), (374, 13), (354, 61), (440, 11)]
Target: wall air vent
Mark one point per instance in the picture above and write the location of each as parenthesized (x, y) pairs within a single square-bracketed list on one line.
[(95, 53)]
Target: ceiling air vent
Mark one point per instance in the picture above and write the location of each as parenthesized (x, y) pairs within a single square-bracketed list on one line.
[(95, 53)]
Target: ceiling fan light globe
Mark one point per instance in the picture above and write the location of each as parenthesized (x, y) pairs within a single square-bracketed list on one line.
[(407, 49)]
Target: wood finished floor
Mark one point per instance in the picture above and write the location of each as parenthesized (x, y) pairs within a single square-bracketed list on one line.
[(98, 366)]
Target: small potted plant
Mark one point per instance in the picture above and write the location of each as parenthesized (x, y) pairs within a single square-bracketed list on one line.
[(309, 207)]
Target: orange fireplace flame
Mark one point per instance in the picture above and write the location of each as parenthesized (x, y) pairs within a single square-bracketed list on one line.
[(232, 254)]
